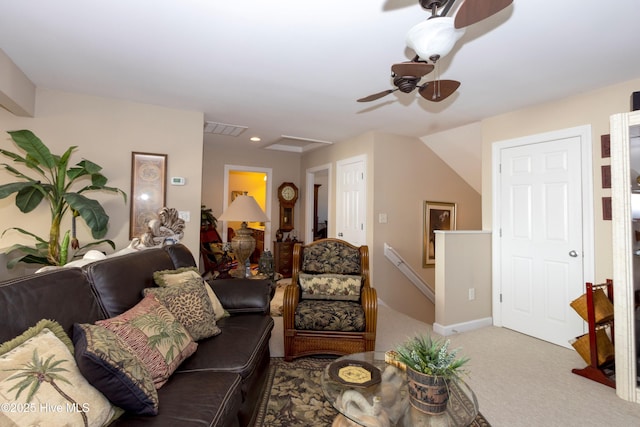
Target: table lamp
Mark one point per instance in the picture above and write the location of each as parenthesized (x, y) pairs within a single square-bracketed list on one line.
[(243, 208)]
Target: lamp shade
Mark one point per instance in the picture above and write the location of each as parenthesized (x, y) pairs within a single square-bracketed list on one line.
[(244, 208), (433, 37)]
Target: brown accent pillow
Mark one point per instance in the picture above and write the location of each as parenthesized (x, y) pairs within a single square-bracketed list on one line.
[(165, 278), (191, 305)]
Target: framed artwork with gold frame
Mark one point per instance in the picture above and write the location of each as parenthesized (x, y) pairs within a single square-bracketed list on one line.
[(148, 190), (437, 216)]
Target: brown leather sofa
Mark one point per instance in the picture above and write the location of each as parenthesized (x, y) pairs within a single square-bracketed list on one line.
[(219, 385)]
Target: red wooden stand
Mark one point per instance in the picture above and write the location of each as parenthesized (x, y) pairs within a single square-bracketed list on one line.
[(599, 373)]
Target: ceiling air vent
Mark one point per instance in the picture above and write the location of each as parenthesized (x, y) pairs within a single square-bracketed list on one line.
[(223, 129), (296, 144)]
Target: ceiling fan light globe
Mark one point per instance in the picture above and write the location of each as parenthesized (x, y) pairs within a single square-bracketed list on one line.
[(435, 36)]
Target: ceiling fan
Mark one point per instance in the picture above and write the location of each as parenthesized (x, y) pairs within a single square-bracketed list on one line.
[(406, 77), (431, 40)]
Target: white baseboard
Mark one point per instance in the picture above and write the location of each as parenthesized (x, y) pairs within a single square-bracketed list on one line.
[(462, 327)]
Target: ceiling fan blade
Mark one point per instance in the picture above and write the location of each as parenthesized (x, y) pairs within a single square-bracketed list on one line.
[(438, 90), (473, 11), (376, 95), (412, 69)]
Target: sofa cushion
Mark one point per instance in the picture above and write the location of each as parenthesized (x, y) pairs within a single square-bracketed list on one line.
[(155, 335), (193, 399), (113, 368), (330, 286), (38, 368), (323, 315), (26, 300), (331, 257), (236, 350), (241, 296), (182, 275), (191, 305), (119, 281)]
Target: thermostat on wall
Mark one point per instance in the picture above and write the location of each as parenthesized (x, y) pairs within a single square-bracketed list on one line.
[(177, 180)]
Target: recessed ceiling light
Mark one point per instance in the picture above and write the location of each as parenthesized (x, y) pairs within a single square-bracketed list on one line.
[(255, 139)]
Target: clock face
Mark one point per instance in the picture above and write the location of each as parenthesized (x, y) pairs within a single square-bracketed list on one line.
[(288, 193)]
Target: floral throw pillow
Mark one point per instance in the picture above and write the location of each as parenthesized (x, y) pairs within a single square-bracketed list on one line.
[(330, 286), (40, 384), (155, 336)]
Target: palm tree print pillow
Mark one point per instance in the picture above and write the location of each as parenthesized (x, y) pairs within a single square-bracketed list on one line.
[(155, 335), (40, 383)]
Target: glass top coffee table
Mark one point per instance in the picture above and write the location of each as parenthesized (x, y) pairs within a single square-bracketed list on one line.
[(369, 392)]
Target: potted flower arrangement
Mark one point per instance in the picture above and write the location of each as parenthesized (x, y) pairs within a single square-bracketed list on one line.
[(430, 366)]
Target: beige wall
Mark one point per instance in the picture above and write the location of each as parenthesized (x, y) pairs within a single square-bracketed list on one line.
[(361, 145), (106, 131), (285, 167), (471, 250), (401, 174), (592, 108)]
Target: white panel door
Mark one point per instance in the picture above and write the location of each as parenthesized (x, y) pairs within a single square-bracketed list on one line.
[(541, 239), (351, 201)]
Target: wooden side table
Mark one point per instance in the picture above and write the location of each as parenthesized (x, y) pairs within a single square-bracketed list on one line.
[(283, 257)]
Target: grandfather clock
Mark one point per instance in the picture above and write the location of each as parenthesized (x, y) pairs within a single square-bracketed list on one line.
[(283, 251), (287, 195)]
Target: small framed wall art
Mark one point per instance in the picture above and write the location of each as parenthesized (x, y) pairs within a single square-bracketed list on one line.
[(437, 216), (148, 190)]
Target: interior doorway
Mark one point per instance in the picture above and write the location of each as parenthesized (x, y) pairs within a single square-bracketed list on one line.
[(317, 202), (625, 170), (351, 200), (256, 182)]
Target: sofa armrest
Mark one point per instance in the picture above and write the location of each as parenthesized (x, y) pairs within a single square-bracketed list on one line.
[(243, 295)]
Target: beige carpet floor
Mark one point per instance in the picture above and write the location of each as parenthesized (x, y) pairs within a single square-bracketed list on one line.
[(518, 380)]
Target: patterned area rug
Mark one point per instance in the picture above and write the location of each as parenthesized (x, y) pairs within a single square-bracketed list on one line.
[(293, 396)]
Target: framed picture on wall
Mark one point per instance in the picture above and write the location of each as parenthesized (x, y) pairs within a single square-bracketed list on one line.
[(148, 190), (437, 216)]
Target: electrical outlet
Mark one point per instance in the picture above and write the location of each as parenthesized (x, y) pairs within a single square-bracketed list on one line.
[(382, 218), (472, 294), (184, 215)]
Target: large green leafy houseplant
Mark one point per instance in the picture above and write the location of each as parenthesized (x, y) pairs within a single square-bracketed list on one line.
[(63, 188)]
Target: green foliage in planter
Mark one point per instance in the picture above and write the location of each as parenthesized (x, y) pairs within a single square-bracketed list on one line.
[(52, 181), (433, 357), (207, 220)]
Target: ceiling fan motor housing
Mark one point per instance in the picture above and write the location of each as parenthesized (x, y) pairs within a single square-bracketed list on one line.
[(405, 84)]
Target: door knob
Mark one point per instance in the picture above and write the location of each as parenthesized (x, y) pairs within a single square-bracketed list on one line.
[(573, 254)]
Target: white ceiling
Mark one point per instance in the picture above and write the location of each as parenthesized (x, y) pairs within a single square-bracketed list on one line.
[(296, 68)]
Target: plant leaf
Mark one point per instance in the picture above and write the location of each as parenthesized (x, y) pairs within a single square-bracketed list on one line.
[(102, 188), (98, 180), (29, 198), (91, 211), (14, 187), (28, 161), (34, 147), (90, 167), (28, 233), (96, 243)]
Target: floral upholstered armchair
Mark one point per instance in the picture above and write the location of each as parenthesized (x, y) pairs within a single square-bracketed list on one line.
[(330, 306)]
